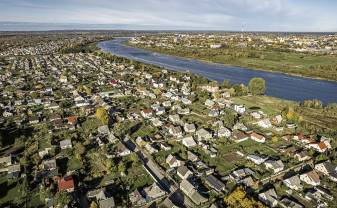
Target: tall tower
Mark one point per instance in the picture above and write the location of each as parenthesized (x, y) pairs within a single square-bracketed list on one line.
[(242, 30)]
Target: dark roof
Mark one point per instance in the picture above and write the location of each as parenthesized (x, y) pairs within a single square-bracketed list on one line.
[(215, 183)]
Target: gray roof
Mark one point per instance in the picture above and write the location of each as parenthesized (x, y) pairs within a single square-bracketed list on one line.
[(182, 170), (215, 183), (107, 203)]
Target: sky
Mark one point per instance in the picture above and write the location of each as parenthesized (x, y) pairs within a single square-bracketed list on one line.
[(231, 15)]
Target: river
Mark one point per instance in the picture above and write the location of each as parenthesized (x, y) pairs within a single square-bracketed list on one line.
[(278, 84)]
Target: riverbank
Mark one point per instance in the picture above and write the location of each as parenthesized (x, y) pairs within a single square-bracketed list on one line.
[(278, 84), (324, 118), (302, 69)]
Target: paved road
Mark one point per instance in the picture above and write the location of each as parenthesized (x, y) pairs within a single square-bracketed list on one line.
[(308, 162), (163, 179)]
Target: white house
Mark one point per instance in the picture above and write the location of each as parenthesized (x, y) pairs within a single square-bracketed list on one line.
[(240, 109), (224, 132), (146, 113), (183, 172), (189, 142), (275, 165), (189, 128), (264, 123), (293, 182), (257, 137), (173, 162), (65, 144), (311, 178), (203, 134), (256, 159), (328, 169), (269, 197)]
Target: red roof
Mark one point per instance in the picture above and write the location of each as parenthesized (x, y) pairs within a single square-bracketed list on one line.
[(147, 111), (72, 120), (322, 146), (66, 183)]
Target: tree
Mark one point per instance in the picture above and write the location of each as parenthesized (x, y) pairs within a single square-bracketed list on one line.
[(226, 84), (93, 204), (239, 199), (79, 149), (240, 90), (257, 86), (62, 198), (102, 115), (121, 167)]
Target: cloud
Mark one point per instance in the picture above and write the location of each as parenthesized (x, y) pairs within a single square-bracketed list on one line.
[(170, 14)]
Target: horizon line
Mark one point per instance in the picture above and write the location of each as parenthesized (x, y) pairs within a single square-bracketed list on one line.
[(135, 29)]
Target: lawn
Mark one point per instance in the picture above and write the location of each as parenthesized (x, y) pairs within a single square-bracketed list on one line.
[(11, 191), (269, 105), (74, 164)]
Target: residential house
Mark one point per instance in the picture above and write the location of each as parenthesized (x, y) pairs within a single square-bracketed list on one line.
[(72, 120), (264, 123), (189, 142), (66, 144), (275, 165), (213, 113), (269, 197), (256, 159), (175, 131), (209, 103), (147, 113), (13, 171), (257, 137), (190, 191), (203, 134), (192, 157), (239, 136), (224, 132), (328, 169), (66, 184), (156, 122), (277, 119), (150, 148), (189, 128), (241, 173), (311, 178), (318, 146), (293, 182), (34, 120), (215, 183), (183, 172), (122, 150), (104, 130), (289, 203), (174, 118), (165, 146), (136, 198), (107, 203), (6, 160), (153, 192), (240, 109), (173, 161), (301, 156)]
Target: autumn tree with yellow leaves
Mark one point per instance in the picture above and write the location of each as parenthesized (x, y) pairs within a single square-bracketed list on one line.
[(102, 115), (239, 199)]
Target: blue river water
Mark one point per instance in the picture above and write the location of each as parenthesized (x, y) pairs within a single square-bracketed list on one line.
[(278, 84)]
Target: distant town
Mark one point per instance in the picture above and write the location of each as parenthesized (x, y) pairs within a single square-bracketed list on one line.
[(80, 127), (311, 55)]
